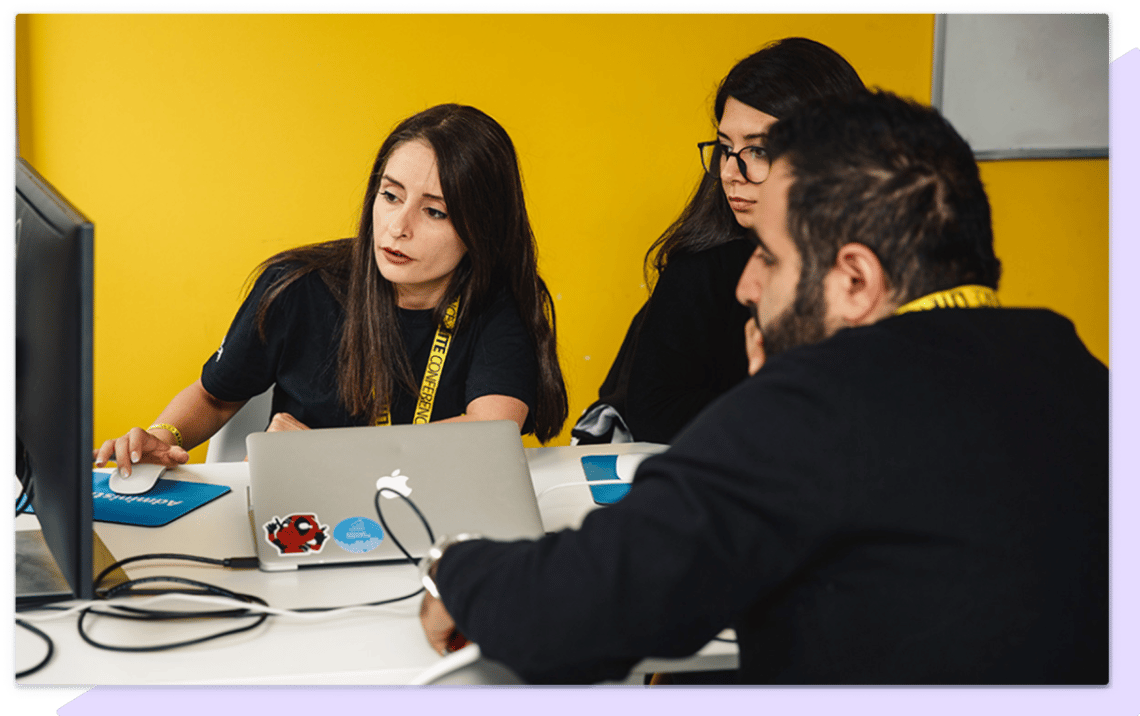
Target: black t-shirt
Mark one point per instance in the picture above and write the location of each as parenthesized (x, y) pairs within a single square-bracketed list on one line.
[(685, 347), (490, 354)]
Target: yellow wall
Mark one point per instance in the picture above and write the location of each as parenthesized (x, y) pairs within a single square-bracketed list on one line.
[(202, 144), (1051, 234)]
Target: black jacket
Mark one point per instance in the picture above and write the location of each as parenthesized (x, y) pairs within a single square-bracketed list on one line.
[(921, 501)]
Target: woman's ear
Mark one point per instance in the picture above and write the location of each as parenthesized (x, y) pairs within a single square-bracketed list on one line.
[(856, 288)]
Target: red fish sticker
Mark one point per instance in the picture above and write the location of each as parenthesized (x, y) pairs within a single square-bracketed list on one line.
[(296, 534)]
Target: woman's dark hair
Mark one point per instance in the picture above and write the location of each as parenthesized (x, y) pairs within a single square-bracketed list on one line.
[(482, 186), (775, 80)]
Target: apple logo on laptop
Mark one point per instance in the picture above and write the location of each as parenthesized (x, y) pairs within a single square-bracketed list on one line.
[(394, 483)]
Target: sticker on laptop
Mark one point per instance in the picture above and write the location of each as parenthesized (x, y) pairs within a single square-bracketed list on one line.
[(296, 535), (358, 535)]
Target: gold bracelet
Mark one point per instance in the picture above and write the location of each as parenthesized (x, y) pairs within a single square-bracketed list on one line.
[(173, 431)]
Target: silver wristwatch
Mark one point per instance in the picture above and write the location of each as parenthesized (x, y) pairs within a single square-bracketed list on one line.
[(434, 553)]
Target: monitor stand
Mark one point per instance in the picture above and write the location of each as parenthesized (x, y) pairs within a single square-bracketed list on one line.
[(38, 577)]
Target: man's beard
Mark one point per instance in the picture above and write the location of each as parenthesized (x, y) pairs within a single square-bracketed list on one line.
[(802, 323)]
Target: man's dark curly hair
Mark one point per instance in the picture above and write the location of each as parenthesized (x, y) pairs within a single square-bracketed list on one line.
[(893, 175)]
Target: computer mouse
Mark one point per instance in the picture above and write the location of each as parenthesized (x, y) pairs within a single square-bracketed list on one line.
[(627, 464), (143, 478)]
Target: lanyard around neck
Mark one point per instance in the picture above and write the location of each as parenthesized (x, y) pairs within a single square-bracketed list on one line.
[(968, 296), (439, 347)]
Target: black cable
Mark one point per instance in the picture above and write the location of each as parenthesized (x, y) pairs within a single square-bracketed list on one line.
[(46, 659), (202, 588), (170, 555), (172, 645), (151, 615), (229, 563), (380, 603), (380, 514), (46, 606), (131, 587)]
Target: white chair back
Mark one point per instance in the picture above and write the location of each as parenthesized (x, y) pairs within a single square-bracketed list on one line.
[(228, 444)]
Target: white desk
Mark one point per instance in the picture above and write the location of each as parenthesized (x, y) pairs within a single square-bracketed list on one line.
[(381, 647)]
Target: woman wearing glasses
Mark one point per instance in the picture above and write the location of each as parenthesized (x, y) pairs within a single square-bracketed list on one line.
[(434, 311), (686, 345)]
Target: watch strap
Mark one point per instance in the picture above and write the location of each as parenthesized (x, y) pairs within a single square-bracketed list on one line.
[(429, 560)]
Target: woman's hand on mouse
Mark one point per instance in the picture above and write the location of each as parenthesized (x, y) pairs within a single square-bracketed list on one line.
[(283, 422), (139, 445)]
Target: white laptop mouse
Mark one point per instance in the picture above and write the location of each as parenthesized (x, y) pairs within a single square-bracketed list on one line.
[(144, 476)]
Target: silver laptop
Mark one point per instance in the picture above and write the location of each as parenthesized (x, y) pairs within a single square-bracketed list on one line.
[(313, 492)]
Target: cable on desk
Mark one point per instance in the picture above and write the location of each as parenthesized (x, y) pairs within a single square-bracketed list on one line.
[(104, 595), (382, 602), (229, 562), (150, 598), (390, 533), (152, 615), (200, 589), (46, 659)]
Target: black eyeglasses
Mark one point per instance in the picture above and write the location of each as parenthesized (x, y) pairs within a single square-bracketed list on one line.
[(753, 162)]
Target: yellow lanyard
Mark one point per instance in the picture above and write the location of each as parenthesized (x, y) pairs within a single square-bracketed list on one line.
[(439, 347), (968, 296)]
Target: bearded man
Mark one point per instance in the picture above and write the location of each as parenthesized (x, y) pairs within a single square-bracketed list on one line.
[(912, 487)]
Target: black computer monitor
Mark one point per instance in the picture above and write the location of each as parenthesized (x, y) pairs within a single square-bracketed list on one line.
[(54, 314)]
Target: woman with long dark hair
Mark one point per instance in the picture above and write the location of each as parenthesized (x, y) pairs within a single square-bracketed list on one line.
[(433, 311), (687, 345)]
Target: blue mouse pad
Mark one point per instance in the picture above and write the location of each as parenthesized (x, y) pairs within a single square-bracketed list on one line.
[(604, 467), (166, 502)]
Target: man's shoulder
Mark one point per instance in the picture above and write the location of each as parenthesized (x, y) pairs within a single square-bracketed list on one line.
[(886, 371), (901, 348), (1008, 334), (1011, 329)]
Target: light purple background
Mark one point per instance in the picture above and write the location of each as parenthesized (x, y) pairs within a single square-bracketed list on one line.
[(1121, 697)]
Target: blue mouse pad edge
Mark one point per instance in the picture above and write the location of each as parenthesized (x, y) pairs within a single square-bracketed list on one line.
[(603, 467), (166, 502)]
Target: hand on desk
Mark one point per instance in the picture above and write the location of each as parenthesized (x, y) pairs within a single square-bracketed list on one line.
[(439, 627), (283, 422), (139, 446)]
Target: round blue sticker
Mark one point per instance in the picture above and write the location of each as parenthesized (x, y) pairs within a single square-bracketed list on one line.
[(358, 535)]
